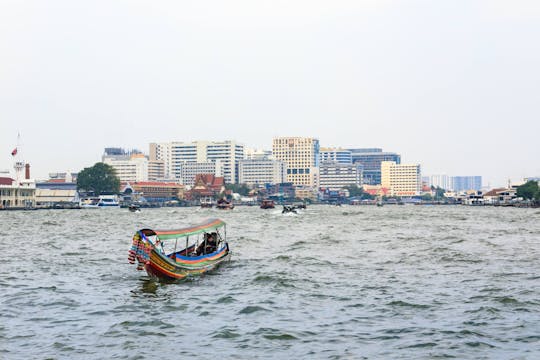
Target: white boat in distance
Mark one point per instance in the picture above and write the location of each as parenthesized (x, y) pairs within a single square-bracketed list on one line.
[(99, 202)]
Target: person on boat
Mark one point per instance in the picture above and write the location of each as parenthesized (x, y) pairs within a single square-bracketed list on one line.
[(209, 244)]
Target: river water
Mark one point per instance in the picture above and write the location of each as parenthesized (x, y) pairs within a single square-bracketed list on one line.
[(351, 282)]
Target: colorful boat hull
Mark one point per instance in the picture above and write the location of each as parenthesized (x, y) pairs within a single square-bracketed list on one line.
[(165, 267)]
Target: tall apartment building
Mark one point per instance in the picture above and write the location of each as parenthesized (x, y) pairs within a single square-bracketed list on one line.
[(261, 171), (156, 170), (342, 156), (301, 155), (130, 166), (464, 183), (174, 154), (371, 159), (441, 181), (401, 179), (335, 176)]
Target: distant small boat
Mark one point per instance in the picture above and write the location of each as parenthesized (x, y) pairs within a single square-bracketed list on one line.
[(289, 209), (134, 208), (223, 204), (268, 204), (89, 203), (108, 201), (99, 202), (156, 250)]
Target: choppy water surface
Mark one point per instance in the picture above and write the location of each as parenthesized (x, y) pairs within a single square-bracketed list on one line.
[(333, 282)]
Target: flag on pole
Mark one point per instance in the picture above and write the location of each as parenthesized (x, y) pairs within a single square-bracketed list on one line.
[(14, 152)]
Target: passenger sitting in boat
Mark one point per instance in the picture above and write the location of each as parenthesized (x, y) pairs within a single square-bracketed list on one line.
[(209, 244)]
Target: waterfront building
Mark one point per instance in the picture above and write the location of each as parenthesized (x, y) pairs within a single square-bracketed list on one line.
[(371, 159), (186, 172), (17, 194), (334, 175), (342, 156), (464, 183), (206, 186), (175, 154), (306, 193), (57, 191), (130, 166), (158, 191), (261, 171), (402, 179), (280, 192), (301, 155)]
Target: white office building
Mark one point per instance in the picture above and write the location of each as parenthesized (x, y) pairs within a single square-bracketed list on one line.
[(335, 176), (129, 168), (261, 171), (175, 154), (442, 181), (342, 156)]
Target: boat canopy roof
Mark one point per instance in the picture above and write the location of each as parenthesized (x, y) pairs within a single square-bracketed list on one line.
[(207, 226)]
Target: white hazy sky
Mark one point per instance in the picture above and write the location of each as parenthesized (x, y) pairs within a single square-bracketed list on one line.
[(452, 85)]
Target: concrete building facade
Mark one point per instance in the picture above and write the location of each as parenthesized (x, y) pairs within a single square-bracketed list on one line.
[(464, 183), (261, 171), (342, 156), (401, 179), (17, 195), (335, 176), (301, 155), (133, 167), (371, 159), (441, 181), (174, 154)]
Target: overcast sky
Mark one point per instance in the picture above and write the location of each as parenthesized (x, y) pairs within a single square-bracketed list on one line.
[(452, 85)]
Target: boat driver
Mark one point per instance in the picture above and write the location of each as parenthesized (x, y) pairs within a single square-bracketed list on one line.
[(209, 244)]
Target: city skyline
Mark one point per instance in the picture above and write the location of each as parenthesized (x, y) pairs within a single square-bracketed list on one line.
[(451, 86), (51, 170)]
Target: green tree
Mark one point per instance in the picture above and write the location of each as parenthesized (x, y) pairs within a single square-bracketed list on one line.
[(439, 192), (528, 190), (100, 178)]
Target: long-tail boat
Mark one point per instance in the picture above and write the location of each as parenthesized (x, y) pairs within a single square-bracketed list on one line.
[(202, 248)]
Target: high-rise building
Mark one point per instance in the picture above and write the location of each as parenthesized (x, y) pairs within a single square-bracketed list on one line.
[(174, 154), (342, 156), (401, 179), (301, 155), (261, 171), (371, 159), (463, 183), (156, 170), (441, 181), (335, 176), (130, 166)]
